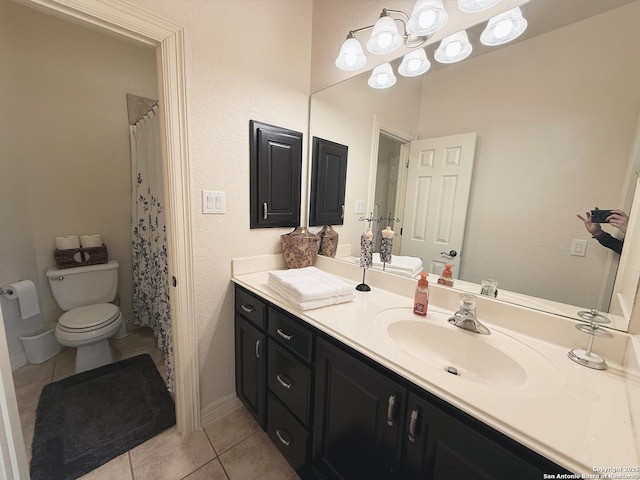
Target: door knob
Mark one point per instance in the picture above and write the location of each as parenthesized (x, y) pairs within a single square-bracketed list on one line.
[(450, 254)]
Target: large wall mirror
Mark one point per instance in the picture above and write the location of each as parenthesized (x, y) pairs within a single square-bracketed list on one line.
[(555, 117)]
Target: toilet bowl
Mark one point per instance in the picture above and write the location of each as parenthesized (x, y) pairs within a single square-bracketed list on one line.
[(89, 320)]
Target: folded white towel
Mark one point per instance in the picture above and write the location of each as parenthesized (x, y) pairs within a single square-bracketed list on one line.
[(309, 283), (399, 262), (310, 304)]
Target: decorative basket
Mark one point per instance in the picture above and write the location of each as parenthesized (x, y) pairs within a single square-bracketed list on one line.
[(80, 257), (300, 248)]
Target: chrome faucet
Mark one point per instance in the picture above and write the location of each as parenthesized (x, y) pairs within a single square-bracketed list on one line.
[(466, 317)]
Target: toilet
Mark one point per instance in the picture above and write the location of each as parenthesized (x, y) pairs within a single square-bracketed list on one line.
[(90, 320)]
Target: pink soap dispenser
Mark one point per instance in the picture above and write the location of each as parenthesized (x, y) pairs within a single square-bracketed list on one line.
[(421, 300)]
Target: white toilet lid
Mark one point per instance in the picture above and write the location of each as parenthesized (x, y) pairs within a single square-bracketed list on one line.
[(89, 317)]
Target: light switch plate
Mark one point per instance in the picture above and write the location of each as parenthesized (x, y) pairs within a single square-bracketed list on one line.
[(578, 247), (213, 202), (359, 207)]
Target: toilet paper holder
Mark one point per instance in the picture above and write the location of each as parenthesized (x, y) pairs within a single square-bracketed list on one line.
[(6, 291)]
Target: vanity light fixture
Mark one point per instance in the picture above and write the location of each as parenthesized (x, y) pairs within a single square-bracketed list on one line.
[(453, 48), (473, 6), (428, 16), (504, 27), (382, 77), (414, 63)]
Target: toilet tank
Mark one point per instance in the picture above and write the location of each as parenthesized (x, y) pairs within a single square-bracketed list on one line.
[(80, 286)]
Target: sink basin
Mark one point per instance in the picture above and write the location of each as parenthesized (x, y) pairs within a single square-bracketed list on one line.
[(497, 360)]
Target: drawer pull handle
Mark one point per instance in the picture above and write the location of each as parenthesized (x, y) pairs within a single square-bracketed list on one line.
[(284, 335), (414, 420), (248, 308), (391, 410), (283, 382), (257, 348), (265, 211), (285, 442)]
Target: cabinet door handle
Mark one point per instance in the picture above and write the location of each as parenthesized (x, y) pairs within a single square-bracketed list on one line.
[(258, 342), (284, 335), (265, 212), (391, 410), (342, 214), (414, 421), (248, 308), (283, 382), (285, 442)]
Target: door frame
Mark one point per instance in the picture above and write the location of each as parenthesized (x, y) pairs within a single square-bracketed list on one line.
[(168, 39), (382, 126)]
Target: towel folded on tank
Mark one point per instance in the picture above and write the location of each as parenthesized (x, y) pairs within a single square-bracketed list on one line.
[(310, 287)]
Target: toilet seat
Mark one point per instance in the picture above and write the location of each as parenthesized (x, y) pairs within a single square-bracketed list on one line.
[(88, 318)]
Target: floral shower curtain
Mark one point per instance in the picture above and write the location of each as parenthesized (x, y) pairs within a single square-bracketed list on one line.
[(149, 246)]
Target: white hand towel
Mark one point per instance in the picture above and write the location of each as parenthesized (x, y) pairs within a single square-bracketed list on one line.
[(310, 304), (309, 283)]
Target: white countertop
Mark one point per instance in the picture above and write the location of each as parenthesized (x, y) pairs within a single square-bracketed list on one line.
[(580, 418)]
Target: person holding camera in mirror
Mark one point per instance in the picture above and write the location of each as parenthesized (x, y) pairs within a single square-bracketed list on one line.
[(617, 218)]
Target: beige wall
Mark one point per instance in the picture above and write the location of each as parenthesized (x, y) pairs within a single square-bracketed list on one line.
[(245, 59), (548, 111), (67, 131)]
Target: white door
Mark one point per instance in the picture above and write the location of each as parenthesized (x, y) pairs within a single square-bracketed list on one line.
[(436, 199)]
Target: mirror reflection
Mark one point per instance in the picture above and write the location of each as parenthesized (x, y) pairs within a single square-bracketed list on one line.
[(551, 121)]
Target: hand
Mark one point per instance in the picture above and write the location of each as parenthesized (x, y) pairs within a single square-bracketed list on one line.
[(619, 219), (593, 228)]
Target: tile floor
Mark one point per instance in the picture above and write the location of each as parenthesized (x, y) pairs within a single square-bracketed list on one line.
[(231, 448)]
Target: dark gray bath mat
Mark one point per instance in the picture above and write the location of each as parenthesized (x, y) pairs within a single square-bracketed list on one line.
[(90, 418)]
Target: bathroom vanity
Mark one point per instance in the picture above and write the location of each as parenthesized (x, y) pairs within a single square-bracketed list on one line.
[(363, 389)]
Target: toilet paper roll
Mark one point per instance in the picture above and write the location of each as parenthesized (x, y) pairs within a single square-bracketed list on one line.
[(67, 242), (90, 241), (25, 292)]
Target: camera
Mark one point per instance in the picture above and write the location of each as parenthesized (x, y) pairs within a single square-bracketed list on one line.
[(600, 216)]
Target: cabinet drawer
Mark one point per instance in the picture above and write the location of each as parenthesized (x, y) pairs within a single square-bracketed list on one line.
[(290, 333), (288, 435), (290, 380), (251, 308)]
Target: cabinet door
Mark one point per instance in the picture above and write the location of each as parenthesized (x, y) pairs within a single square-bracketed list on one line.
[(328, 183), (438, 446), (251, 369), (276, 169), (358, 418)]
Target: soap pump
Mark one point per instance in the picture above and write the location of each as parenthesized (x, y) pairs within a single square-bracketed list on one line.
[(421, 300), (446, 276)]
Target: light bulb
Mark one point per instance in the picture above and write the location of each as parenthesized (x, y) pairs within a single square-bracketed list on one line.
[(384, 40), (503, 28), (426, 19), (414, 65), (453, 49)]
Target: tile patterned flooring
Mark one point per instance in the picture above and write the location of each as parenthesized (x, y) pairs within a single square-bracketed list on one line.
[(231, 448)]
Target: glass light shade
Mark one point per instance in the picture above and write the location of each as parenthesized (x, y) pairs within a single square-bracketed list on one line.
[(453, 48), (504, 27), (382, 77), (427, 17), (385, 37), (472, 6), (351, 56), (414, 63)]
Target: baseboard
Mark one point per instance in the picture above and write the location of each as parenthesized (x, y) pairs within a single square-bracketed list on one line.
[(219, 409), (18, 360)]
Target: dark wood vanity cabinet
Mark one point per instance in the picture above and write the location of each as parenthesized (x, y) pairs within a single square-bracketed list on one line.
[(440, 444), (359, 416), (336, 414)]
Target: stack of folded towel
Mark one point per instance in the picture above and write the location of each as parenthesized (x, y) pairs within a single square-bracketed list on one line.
[(400, 265), (310, 287)]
